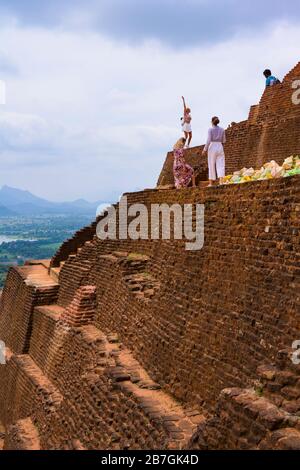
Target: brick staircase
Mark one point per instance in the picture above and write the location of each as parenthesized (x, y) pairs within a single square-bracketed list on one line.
[(172, 424), (69, 383), (38, 393)]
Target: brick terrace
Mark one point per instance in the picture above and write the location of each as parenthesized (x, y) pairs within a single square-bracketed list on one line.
[(142, 344)]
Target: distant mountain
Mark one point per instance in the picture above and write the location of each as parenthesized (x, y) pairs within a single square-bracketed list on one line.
[(5, 212), (19, 202)]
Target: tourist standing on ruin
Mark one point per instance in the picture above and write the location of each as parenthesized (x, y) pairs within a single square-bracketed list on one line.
[(214, 147), (187, 126), (183, 172), (270, 79)]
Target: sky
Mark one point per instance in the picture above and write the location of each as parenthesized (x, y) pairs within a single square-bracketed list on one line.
[(93, 87)]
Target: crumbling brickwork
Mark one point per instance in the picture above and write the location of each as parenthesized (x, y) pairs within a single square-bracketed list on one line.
[(129, 344)]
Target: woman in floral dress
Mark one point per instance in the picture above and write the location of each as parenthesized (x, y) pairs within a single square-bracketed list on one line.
[(183, 173)]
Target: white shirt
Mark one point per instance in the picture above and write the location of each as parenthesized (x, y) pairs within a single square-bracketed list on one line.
[(215, 134)]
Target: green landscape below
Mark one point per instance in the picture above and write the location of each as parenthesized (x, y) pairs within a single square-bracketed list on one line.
[(34, 238), (33, 228)]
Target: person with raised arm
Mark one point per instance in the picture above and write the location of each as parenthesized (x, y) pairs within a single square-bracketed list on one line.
[(216, 156), (187, 126)]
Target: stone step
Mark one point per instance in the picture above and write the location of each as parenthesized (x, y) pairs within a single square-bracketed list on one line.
[(245, 421), (39, 381), (54, 311), (179, 423), (165, 187), (37, 275), (54, 273), (22, 435), (203, 184), (29, 395), (281, 385), (44, 262)]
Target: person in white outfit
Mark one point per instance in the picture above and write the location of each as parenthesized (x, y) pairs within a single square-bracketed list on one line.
[(214, 147), (186, 124)]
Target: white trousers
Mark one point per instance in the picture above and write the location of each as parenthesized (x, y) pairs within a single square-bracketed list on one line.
[(216, 161)]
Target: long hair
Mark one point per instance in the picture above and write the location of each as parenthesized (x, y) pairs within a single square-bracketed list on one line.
[(179, 144)]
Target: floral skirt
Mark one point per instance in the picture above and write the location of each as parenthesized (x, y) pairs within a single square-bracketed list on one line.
[(182, 171)]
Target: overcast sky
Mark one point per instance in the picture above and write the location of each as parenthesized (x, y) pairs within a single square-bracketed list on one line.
[(94, 86)]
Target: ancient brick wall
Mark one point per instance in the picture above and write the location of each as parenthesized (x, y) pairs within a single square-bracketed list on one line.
[(126, 344), (270, 133), (196, 322), (248, 258)]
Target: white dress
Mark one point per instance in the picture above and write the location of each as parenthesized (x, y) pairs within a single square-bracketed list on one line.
[(187, 126)]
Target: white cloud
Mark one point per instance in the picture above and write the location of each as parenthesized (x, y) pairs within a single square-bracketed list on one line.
[(86, 115)]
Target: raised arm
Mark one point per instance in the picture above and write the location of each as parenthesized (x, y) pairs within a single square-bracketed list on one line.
[(184, 105)]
